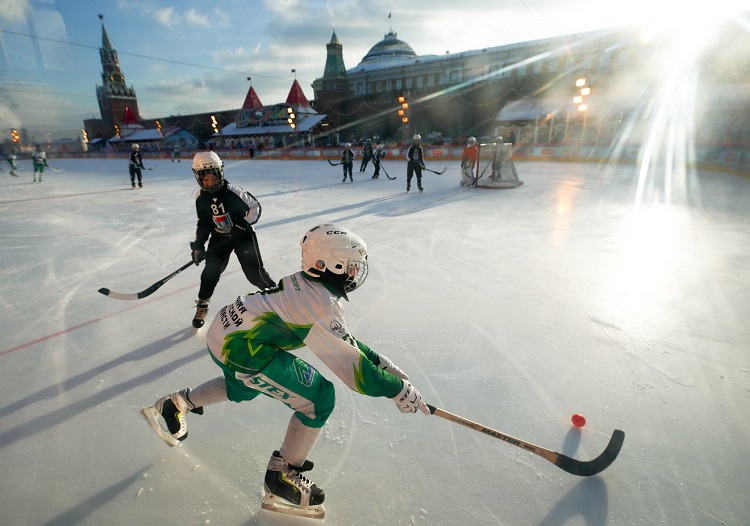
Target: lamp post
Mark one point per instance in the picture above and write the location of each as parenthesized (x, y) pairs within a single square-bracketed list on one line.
[(584, 90)]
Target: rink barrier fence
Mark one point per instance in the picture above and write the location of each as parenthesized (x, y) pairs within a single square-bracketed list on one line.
[(730, 159)]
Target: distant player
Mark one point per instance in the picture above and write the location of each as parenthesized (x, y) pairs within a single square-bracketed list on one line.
[(39, 160), (135, 166), (366, 155), (376, 155), (226, 215), (347, 161), (468, 162), (251, 340), (415, 162), (176, 154), (13, 163)]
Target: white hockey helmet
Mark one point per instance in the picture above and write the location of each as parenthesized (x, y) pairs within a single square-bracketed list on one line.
[(471, 141), (135, 146), (348, 145), (417, 137), (336, 254), (205, 163), (498, 139)]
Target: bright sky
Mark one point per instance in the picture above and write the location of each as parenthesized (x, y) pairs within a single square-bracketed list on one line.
[(186, 56)]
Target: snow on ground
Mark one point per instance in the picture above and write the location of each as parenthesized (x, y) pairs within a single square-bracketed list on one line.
[(513, 308)]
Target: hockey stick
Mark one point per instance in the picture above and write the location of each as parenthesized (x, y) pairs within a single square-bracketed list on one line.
[(386, 173), (153, 288), (145, 292), (571, 465), (433, 171), (332, 164), (54, 169)]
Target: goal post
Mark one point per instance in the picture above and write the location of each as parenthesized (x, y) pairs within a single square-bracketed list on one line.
[(495, 168)]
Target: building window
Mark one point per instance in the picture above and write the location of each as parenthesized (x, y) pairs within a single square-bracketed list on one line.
[(419, 82), (409, 83), (454, 77), (379, 87), (398, 84), (389, 85), (430, 80)]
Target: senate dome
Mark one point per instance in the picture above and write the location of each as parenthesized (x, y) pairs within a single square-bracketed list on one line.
[(388, 48)]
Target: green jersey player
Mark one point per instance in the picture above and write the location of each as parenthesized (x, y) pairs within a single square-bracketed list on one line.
[(251, 341)]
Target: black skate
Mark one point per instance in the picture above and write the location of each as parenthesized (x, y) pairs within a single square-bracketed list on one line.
[(201, 311), (287, 491), (171, 409)]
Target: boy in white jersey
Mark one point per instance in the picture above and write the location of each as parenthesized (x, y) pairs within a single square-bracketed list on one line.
[(250, 341)]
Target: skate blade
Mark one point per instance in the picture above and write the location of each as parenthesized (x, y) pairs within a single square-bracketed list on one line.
[(152, 417), (276, 504)]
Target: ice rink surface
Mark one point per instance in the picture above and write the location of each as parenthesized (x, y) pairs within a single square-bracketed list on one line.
[(587, 290)]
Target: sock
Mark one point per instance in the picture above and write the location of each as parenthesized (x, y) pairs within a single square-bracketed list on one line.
[(298, 441), (210, 392)]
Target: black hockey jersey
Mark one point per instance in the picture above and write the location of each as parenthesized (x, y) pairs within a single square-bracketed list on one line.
[(230, 211)]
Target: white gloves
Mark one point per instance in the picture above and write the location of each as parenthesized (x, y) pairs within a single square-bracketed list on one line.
[(409, 400), (390, 367)]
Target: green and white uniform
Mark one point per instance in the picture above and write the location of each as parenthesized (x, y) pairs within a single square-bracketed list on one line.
[(39, 160), (250, 339)]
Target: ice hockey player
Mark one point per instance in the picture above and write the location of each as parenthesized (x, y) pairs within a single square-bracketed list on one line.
[(176, 154), (39, 160), (226, 215), (135, 166), (366, 155), (415, 162), (13, 163), (376, 155), (347, 161), (251, 341), (468, 162)]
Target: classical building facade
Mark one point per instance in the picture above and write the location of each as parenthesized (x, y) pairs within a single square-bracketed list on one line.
[(464, 93)]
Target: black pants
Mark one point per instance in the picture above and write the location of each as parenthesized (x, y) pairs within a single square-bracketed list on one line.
[(135, 171), (412, 169), (376, 164), (247, 251), (348, 168), (365, 160)]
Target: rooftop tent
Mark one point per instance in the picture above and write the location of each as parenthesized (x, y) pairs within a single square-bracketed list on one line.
[(129, 117), (252, 101), (298, 100)]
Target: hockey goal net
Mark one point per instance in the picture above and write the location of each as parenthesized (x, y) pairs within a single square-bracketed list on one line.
[(495, 168)]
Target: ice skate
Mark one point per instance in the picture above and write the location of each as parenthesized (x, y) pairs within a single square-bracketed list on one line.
[(287, 491), (171, 410), (201, 311)]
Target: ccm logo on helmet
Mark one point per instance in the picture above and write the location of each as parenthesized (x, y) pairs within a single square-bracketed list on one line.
[(330, 232)]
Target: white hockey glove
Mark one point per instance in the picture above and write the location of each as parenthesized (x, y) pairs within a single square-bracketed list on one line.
[(387, 365), (409, 400)]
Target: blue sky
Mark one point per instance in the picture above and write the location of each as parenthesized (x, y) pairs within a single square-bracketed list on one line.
[(186, 56)]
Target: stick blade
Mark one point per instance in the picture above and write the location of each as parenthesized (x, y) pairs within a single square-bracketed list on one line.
[(117, 295), (597, 465)]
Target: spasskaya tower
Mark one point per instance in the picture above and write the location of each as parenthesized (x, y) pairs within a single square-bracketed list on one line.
[(114, 96)]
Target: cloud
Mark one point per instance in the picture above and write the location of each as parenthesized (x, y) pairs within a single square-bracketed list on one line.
[(14, 10), (194, 18), (166, 16)]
